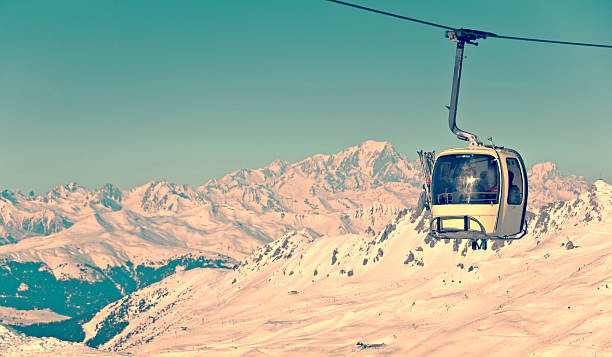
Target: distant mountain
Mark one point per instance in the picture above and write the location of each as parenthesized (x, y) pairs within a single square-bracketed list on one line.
[(351, 191), (371, 180), (323, 183), (23, 216), (102, 244), (309, 295), (547, 185)]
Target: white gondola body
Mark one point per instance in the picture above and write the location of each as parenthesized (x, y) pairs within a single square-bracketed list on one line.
[(479, 191)]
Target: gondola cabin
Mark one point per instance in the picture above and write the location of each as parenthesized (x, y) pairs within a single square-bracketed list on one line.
[(479, 192)]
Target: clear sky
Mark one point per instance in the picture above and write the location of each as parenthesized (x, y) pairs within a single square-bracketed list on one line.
[(130, 91)]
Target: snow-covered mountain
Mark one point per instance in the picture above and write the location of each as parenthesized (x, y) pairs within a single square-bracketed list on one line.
[(13, 343), (355, 190), (90, 247), (547, 185), (23, 216), (395, 293), (370, 177), (93, 247), (358, 189)]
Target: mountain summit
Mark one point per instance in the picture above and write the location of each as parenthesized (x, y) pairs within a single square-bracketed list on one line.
[(368, 165), (546, 185)]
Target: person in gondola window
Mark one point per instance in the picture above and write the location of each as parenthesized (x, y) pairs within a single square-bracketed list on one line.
[(514, 192)]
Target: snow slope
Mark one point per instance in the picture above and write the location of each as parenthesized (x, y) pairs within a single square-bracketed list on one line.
[(395, 293), (13, 316), (13, 343), (547, 185)]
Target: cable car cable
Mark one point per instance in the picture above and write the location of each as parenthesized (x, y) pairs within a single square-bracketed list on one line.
[(392, 15), (551, 41), (467, 35)]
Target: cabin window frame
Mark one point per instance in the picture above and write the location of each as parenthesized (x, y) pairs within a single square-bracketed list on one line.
[(517, 175), (447, 159)]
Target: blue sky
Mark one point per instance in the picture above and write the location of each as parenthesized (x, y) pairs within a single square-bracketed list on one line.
[(131, 91)]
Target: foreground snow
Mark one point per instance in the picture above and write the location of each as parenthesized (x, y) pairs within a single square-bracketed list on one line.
[(12, 316), (393, 293), (13, 343)]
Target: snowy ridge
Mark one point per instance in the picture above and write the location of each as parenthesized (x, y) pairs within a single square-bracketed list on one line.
[(368, 165), (547, 185), (13, 343), (23, 216), (587, 207), (75, 232), (105, 240), (356, 190), (547, 294)]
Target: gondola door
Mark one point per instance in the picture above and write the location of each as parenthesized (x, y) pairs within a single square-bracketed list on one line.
[(515, 196)]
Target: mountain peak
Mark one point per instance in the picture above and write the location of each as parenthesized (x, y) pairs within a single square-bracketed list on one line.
[(70, 187), (602, 186), (547, 184), (374, 146), (544, 170), (67, 190), (367, 148), (157, 183)]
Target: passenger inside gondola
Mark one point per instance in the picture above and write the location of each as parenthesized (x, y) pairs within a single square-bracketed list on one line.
[(514, 192), (487, 185), (465, 179)]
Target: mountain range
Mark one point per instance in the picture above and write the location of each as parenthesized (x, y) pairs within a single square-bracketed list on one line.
[(394, 293), (89, 248)]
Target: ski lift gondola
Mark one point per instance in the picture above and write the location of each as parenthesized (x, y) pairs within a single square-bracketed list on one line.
[(478, 192)]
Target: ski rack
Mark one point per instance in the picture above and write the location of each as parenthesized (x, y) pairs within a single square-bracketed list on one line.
[(427, 160)]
